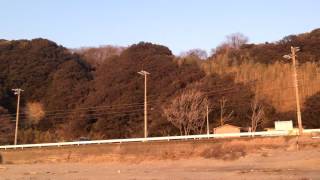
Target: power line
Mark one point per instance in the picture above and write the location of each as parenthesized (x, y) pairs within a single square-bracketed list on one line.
[(79, 113), (119, 114), (136, 105), (119, 111), (98, 114), (94, 108)]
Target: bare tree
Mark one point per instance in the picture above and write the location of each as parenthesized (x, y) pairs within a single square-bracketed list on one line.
[(223, 117), (98, 55), (223, 51), (235, 40), (198, 53), (257, 116), (187, 112)]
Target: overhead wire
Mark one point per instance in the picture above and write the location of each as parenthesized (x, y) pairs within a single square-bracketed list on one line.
[(118, 107)]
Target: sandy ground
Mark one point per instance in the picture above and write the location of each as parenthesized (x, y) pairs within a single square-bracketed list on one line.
[(275, 164)]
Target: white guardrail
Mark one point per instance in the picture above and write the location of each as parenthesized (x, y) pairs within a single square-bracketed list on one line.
[(167, 138)]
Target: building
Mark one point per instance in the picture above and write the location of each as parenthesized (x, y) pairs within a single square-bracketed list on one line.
[(226, 128), (283, 125)]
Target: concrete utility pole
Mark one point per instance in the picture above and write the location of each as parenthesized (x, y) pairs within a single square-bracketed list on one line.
[(145, 73), (208, 128), (17, 92), (295, 84)]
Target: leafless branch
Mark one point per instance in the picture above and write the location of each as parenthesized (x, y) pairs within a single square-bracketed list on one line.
[(224, 118), (257, 116), (187, 111)]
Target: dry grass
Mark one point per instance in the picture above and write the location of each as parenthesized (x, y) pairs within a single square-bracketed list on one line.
[(222, 149), (228, 152), (238, 148), (273, 82)]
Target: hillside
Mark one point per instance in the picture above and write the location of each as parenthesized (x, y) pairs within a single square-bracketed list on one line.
[(264, 64), (99, 94), (43, 69), (47, 73)]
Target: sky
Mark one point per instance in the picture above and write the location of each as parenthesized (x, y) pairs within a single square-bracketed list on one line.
[(178, 24)]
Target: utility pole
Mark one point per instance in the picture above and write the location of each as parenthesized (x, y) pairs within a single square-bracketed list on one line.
[(208, 128), (17, 92), (221, 113), (295, 84), (145, 73)]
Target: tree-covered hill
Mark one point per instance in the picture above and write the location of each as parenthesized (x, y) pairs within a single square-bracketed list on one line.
[(271, 52), (44, 70), (98, 92)]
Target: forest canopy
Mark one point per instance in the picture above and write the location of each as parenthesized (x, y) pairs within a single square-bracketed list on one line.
[(97, 92)]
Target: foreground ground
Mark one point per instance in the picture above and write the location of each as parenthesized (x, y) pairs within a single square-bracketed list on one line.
[(264, 158)]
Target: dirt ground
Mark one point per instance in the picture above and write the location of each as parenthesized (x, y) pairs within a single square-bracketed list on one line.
[(263, 162)]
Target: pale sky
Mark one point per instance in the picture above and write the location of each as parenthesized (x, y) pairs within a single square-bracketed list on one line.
[(179, 24)]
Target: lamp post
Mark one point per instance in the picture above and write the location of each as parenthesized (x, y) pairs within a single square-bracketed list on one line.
[(145, 73), (17, 92), (295, 84)]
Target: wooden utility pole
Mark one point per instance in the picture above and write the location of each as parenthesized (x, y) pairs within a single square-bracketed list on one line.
[(295, 84), (221, 111), (17, 92), (208, 128), (295, 77), (145, 73)]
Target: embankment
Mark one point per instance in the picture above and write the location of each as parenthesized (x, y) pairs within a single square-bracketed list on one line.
[(223, 149)]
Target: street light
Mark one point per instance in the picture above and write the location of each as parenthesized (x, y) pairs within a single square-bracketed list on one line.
[(145, 73), (17, 92), (295, 83)]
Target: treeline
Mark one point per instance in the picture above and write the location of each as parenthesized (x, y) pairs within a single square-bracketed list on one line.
[(97, 92), (264, 65), (49, 74)]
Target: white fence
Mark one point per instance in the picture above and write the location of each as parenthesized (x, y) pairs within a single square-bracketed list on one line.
[(168, 138)]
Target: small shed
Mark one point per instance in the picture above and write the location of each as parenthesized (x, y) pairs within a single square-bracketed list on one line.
[(283, 125), (226, 128)]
